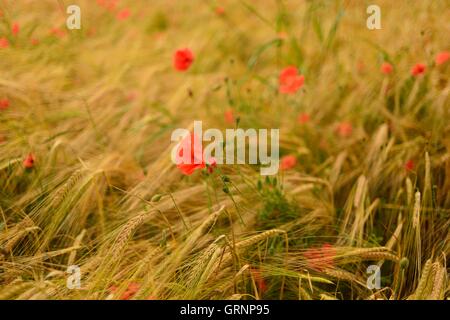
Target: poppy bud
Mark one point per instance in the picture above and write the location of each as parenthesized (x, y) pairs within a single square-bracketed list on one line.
[(156, 198)]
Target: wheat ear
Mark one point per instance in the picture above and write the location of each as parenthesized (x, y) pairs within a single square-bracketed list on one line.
[(62, 192), (438, 283), (255, 239), (423, 280)]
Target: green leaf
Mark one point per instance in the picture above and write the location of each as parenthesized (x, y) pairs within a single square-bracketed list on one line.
[(254, 58)]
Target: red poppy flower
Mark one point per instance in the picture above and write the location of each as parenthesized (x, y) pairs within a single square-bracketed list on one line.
[(361, 66), (92, 31), (418, 69), (410, 165), (108, 4), (288, 162), (259, 280), (229, 117), (303, 118), (183, 59), (321, 258), (282, 35), (29, 161), (4, 43), (212, 164), (290, 80), (34, 41), (194, 160), (15, 29), (123, 14), (4, 104), (131, 290), (442, 57), (387, 68), (220, 11), (111, 6), (132, 95), (345, 129), (57, 32)]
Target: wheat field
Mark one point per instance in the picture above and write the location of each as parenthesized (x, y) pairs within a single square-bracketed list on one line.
[(86, 177)]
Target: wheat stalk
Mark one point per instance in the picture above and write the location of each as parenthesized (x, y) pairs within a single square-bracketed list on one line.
[(439, 283), (178, 255), (258, 238), (17, 237), (380, 256), (341, 274), (12, 290), (228, 256), (324, 296), (416, 211), (423, 280), (76, 243), (62, 192), (125, 233), (304, 294), (200, 264)]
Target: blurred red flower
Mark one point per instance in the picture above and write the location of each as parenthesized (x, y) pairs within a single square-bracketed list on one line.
[(131, 290), (288, 162), (282, 35), (320, 258), (57, 32), (112, 5), (345, 129), (34, 41), (15, 29), (4, 43), (418, 69), (123, 14), (259, 280), (92, 31), (108, 4), (28, 162), (387, 68), (229, 117), (212, 164), (191, 143), (360, 66), (290, 81), (442, 57), (4, 104), (183, 59), (220, 11), (132, 95), (303, 118), (410, 165)]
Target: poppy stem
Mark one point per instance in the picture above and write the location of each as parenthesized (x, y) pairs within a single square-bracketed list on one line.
[(179, 211)]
